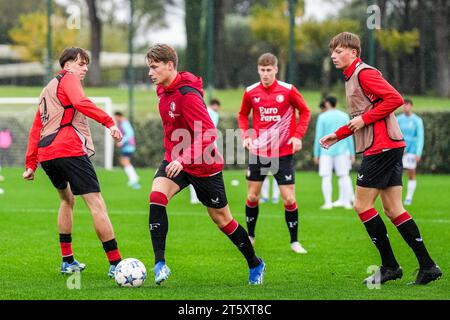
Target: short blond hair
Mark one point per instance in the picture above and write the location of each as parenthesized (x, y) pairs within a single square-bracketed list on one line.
[(268, 59), (346, 40)]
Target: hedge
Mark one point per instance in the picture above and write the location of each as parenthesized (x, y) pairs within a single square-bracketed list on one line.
[(435, 158)]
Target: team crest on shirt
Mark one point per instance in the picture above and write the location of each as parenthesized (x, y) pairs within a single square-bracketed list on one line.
[(280, 98), (257, 99), (172, 108)]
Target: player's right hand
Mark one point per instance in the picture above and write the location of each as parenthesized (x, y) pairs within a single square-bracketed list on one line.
[(28, 174), (316, 160), (115, 133), (247, 143), (327, 141)]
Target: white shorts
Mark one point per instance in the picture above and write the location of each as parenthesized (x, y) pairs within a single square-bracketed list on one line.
[(409, 161), (341, 165)]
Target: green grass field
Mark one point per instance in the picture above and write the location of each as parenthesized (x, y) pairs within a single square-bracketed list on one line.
[(146, 100), (204, 263)]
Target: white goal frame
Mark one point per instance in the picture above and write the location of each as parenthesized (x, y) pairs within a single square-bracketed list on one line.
[(107, 102)]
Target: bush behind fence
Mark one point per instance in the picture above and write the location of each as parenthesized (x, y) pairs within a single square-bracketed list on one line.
[(150, 149), (435, 158)]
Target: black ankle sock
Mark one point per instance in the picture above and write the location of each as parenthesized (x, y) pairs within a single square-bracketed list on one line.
[(240, 239), (377, 231), (410, 233), (159, 226), (251, 215), (292, 223), (66, 239), (68, 259)]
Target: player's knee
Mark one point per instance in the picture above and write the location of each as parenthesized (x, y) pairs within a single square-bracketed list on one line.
[(221, 217), (289, 200), (253, 197), (68, 201), (387, 212), (360, 207)]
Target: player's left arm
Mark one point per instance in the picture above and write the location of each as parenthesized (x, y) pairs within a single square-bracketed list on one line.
[(420, 139), (71, 86), (373, 83), (31, 158), (296, 99)]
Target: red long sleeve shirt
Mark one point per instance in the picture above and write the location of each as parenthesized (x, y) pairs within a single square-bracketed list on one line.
[(67, 143), (273, 109), (189, 132), (385, 100)]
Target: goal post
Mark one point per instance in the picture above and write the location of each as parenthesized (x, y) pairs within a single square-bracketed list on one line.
[(17, 114)]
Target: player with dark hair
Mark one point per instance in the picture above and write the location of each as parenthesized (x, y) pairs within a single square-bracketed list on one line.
[(191, 157), (60, 140), (371, 101)]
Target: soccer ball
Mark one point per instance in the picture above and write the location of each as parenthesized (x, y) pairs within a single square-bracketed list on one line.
[(130, 273)]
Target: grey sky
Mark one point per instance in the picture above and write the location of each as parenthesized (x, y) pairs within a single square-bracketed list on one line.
[(175, 35)]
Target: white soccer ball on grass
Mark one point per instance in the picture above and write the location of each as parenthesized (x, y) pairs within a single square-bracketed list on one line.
[(130, 272)]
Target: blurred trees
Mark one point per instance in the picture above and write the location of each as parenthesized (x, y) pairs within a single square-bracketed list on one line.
[(194, 47), (412, 48), (441, 10), (95, 78), (398, 44), (425, 23), (10, 12), (30, 36), (317, 35), (270, 23)]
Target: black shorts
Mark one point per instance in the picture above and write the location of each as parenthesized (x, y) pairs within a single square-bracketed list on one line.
[(381, 170), (282, 169), (77, 171), (210, 190)]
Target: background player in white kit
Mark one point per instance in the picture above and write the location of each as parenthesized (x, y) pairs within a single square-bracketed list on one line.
[(339, 158), (411, 126)]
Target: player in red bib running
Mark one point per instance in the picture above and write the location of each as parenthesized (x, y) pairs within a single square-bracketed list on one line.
[(275, 137), (191, 157)]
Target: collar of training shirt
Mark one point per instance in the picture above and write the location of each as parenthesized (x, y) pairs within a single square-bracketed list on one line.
[(172, 86), (270, 88), (349, 71)]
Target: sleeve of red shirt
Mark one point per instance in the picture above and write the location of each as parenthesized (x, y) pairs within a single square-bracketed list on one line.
[(374, 84), (31, 158), (193, 110), (71, 86), (343, 132), (296, 99), (244, 112)]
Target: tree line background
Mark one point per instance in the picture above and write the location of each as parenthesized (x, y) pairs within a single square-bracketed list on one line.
[(412, 46)]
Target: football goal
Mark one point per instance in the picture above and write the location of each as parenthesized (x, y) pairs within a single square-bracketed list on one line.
[(16, 117)]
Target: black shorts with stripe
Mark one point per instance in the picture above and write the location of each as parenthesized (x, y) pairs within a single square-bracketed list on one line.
[(381, 170), (210, 190), (76, 171)]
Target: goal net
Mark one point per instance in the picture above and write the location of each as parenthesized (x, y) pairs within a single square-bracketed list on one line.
[(16, 118)]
